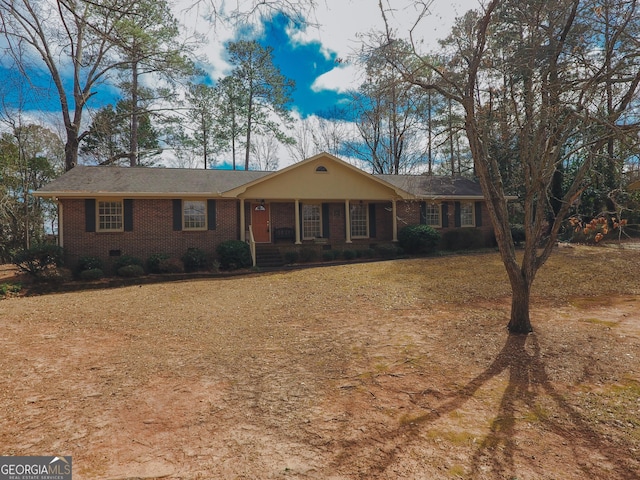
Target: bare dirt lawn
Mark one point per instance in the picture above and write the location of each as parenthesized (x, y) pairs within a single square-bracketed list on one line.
[(390, 370)]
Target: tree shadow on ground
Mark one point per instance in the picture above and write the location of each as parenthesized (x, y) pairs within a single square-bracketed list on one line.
[(497, 453)]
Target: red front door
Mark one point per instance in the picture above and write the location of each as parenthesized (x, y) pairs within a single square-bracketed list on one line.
[(260, 222)]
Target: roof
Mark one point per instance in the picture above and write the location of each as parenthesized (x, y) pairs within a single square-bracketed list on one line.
[(83, 181), (432, 186), (142, 181)]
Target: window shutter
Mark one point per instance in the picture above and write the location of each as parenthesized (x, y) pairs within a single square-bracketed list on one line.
[(211, 214), (445, 215), (325, 220), (372, 220), (90, 214), (177, 214), (478, 209), (458, 221), (423, 213), (127, 205)]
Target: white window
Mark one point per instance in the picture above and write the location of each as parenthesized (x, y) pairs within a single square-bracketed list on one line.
[(311, 221), (359, 220), (467, 217), (432, 215), (194, 215), (110, 216)]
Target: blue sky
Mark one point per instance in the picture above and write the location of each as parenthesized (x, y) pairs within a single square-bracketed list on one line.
[(308, 55)]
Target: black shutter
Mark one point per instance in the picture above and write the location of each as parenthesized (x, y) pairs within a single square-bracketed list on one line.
[(423, 213), (478, 214), (457, 214), (211, 214), (177, 214), (372, 220), (325, 221), (90, 215), (445, 215), (300, 219), (127, 205)]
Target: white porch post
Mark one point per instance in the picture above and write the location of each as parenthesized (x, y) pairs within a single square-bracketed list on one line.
[(394, 212), (297, 222), (243, 223), (347, 220)]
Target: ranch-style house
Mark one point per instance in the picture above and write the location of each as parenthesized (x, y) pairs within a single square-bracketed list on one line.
[(321, 202)]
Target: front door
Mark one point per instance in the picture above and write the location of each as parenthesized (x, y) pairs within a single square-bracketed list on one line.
[(260, 222)]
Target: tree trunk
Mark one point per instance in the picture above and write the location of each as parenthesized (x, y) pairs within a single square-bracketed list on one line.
[(134, 159), (71, 149), (520, 323)]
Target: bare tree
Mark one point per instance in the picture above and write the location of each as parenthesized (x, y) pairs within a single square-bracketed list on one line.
[(553, 73)]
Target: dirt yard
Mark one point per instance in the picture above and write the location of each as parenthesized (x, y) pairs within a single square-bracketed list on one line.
[(391, 370)]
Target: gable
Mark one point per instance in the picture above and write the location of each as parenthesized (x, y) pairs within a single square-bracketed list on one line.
[(320, 177)]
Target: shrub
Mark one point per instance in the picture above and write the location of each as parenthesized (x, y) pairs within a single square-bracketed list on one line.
[(349, 254), (308, 254), (40, 260), (170, 265), (463, 239), (386, 251), (125, 261), (517, 233), (367, 253), (7, 288), (130, 271), (291, 256), (418, 239), (194, 259), (154, 260), (329, 255), (91, 274), (89, 263), (234, 254)]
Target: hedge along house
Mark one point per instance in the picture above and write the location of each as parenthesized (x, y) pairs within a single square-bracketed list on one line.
[(322, 202)]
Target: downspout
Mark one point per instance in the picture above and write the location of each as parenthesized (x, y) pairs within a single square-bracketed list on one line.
[(394, 213)]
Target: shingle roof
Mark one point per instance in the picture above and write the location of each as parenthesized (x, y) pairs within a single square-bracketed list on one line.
[(148, 181), (431, 186), (140, 181)]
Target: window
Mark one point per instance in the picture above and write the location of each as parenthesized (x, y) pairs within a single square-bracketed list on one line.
[(321, 169), (467, 214), (194, 215), (359, 220), (311, 221), (432, 215), (110, 216)]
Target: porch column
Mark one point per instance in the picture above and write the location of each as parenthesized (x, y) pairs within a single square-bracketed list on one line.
[(347, 220), (60, 223), (297, 222), (394, 212), (243, 225)]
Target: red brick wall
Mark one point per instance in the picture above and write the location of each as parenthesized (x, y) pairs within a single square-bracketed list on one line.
[(152, 232)]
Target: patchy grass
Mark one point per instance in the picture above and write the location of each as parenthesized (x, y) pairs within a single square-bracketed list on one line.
[(388, 370)]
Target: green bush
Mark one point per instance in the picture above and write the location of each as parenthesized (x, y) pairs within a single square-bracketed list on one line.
[(386, 251), (234, 254), (517, 233), (131, 271), (349, 254), (92, 274), (291, 256), (170, 265), (7, 288), (330, 255), (194, 259), (89, 263), (418, 239), (463, 239), (154, 260), (125, 261), (308, 254), (40, 260)]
